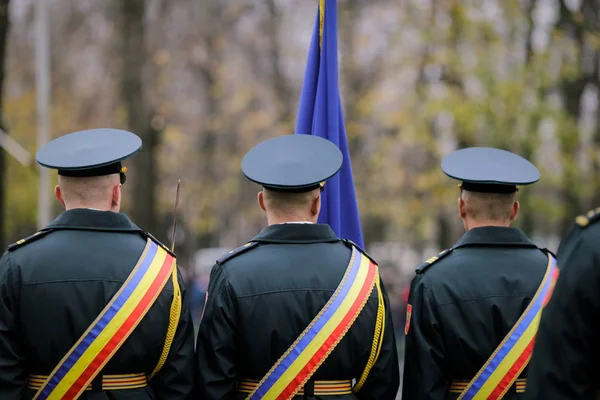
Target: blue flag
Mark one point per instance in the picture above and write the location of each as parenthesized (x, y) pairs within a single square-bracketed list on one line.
[(320, 113)]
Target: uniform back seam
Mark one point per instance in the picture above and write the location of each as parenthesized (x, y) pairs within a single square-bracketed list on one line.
[(288, 291), (485, 297), (77, 280)]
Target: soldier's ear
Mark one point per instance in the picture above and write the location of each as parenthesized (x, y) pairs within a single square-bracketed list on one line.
[(261, 200), (59, 196), (515, 210), (116, 197), (462, 211), (315, 208)]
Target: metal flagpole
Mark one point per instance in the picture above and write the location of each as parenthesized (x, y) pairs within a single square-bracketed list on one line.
[(42, 58)]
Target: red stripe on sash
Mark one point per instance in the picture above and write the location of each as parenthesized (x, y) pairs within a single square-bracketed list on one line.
[(554, 278), (331, 340), (515, 369), (130, 323)]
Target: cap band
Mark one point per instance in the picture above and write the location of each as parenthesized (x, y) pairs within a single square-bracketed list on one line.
[(287, 189), (488, 187), (115, 168)]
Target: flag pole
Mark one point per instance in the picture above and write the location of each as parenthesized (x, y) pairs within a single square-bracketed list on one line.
[(321, 21)]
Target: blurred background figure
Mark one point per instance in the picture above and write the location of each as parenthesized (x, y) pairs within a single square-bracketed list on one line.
[(199, 277), (197, 289)]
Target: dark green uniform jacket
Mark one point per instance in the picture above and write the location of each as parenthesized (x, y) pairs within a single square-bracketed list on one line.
[(262, 298), (463, 305), (53, 287), (566, 358)]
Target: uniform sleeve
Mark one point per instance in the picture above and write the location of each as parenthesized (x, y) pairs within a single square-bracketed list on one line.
[(175, 380), (384, 379), (215, 347), (12, 358), (424, 376), (565, 357)]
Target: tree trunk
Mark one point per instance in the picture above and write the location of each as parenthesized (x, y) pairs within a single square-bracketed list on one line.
[(207, 145), (4, 25), (445, 231), (530, 139), (573, 91), (569, 145), (595, 200), (356, 83), (280, 84), (213, 132), (134, 55)]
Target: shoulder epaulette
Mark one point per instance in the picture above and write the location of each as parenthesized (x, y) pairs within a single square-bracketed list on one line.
[(421, 268), (29, 239), (350, 243), (237, 252), (586, 219), (158, 242)]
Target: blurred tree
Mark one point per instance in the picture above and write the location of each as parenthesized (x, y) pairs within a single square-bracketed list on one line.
[(358, 84), (4, 26), (581, 27), (281, 87), (210, 69), (202, 82), (528, 146), (134, 55)]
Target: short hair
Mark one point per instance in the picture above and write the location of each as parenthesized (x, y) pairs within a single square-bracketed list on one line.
[(289, 203), (87, 189), (488, 206)]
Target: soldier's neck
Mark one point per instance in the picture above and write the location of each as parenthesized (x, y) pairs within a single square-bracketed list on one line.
[(277, 219), (471, 224), (95, 207)]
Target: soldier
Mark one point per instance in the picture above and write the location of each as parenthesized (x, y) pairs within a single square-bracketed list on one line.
[(565, 359), (92, 306), (297, 310), (469, 320)]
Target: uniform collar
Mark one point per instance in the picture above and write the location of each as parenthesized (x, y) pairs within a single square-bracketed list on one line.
[(494, 235), (296, 233), (87, 219)]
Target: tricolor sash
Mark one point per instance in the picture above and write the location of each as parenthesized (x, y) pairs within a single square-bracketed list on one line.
[(321, 336), (112, 327), (511, 357)]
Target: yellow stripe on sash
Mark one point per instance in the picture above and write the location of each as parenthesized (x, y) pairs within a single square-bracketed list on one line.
[(511, 357), (488, 387), (109, 331), (300, 362)]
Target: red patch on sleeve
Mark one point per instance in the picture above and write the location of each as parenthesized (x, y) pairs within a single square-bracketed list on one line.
[(408, 314)]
